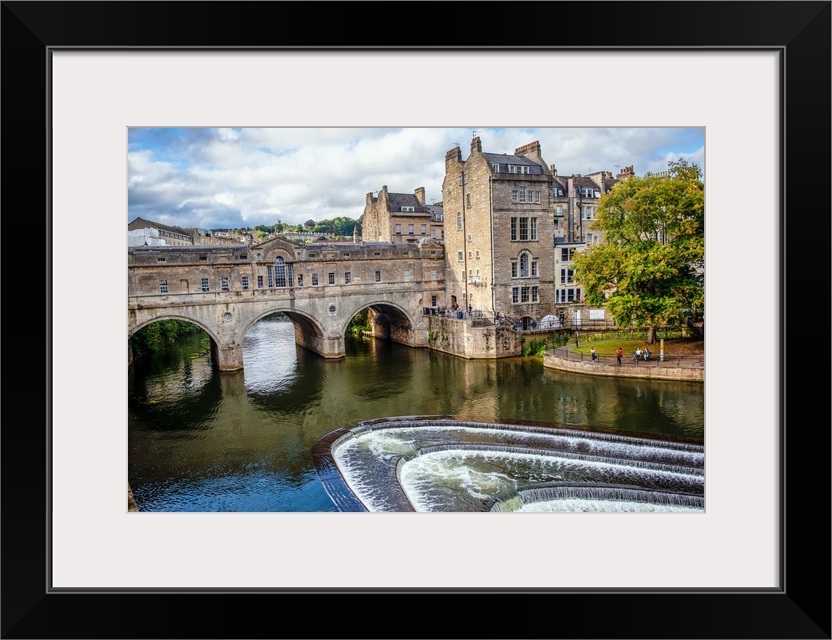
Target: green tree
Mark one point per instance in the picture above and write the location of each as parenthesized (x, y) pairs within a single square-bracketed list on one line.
[(649, 270)]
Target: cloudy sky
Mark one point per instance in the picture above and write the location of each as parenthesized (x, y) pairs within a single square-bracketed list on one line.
[(232, 178)]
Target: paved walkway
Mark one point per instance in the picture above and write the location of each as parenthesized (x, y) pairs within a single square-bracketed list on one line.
[(691, 368)]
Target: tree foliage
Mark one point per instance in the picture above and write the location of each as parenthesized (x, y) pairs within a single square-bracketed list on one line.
[(650, 267), (158, 335)]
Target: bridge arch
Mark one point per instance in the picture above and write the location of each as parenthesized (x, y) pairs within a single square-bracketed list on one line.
[(303, 322), (134, 328), (389, 321), (131, 330)]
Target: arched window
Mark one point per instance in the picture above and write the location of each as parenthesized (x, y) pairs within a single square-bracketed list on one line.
[(282, 273), (524, 265)]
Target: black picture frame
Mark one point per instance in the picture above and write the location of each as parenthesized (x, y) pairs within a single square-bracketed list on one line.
[(800, 608)]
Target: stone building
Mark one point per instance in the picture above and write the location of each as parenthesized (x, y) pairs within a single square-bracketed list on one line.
[(499, 236), (514, 226), (400, 217), (179, 237)]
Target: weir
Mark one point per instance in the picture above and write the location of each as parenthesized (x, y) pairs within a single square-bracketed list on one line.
[(423, 463)]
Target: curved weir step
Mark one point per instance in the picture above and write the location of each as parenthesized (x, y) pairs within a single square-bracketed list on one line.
[(439, 463)]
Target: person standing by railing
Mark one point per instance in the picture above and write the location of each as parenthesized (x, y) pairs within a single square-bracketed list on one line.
[(618, 353)]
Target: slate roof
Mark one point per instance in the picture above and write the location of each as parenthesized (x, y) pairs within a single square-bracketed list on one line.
[(395, 202), (504, 159)]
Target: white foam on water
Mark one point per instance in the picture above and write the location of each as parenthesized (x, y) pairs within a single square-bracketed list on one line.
[(577, 505)]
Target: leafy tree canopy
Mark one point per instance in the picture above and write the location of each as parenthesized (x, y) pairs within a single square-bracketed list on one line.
[(650, 266)]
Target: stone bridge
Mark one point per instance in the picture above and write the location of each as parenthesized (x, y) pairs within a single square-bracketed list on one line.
[(320, 287)]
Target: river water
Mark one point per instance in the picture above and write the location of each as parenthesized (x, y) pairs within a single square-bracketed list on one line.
[(205, 441)]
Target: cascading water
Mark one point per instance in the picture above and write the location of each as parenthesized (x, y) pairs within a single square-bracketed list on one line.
[(440, 464)]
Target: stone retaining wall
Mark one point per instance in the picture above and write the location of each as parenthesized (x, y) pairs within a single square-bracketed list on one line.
[(655, 371)]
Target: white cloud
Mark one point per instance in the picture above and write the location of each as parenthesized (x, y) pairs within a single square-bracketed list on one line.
[(217, 178)]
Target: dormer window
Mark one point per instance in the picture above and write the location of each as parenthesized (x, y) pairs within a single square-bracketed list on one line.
[(408, 208)]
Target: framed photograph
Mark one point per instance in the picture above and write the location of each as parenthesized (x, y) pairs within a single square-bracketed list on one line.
[(77, 76)]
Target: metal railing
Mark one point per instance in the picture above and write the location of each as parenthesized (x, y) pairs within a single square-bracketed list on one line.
[(655, 359)]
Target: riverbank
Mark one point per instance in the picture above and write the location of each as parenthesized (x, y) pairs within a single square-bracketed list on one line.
[(689, 367)]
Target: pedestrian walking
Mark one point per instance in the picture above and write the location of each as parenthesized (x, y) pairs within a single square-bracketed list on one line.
[(618, 354), (594, 355)]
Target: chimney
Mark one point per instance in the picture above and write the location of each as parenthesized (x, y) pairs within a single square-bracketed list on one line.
[(454, 155), (532, 152), (528, 149), (476, 145), (420, 195)]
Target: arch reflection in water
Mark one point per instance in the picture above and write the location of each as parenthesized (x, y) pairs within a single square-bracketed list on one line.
[(443, 464)]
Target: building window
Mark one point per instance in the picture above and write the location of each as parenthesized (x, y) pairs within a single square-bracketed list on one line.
[(163, 286), (270, 275), (378, 276), (470, 255), (424, 229), (300, 279), (559, 211), (459, 256), (535, 297), (407, 276), (459, 221), (244, 280), (203, 258), (161, 259), (408, 208), (433, 301), (515, 295), (478, 273), (524, 265), (280, 272), (410, 229), (376, 253), (346, 255), (433, 233), (588, 212), (347, 277), (331, 278), (224, 283), (313, 255), (468, 200), (522, 195), (243, 256), (566, 254), (470, 273), (568, 295), (524, 294), (534, 267), (534, 196), (398, 229), (259, 282), (314, 279), (567, 276), (433, 275), (523, 229), (205, 284)]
